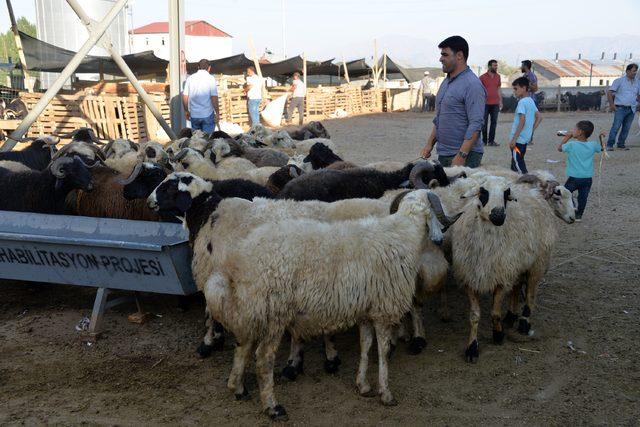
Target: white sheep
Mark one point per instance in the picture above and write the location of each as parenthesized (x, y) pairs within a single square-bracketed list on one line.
[(504, 236), (303, 147), (327, 277)]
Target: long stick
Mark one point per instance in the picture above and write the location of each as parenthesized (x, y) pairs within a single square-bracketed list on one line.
[(346, 71), (16, 35), (375, 62), (94, 36)]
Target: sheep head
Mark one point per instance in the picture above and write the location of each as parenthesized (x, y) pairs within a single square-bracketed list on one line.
[(491, 195), (559, 197), (144, 178), (71, 173), (424, 202), (175, 195)]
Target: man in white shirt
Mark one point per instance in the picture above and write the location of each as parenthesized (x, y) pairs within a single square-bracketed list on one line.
[(253, 89), (623, 96), (200, 99), (299, 90), (426, 91)]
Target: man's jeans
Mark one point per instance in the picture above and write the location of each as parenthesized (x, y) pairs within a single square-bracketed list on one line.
[(254, 111), (490, 110), (473, 160), (206, 124), (583, 185), (622, 117)]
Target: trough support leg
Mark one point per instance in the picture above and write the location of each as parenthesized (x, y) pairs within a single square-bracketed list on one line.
[(99, 306)]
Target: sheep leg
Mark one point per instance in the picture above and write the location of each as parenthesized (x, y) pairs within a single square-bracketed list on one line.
[(524, 325), (265, 362), (383, 336), (214, 337), (472, 352), (418, 341), (366, 340), (296, 359), (236, 378), (511, 316), (496, 314), (332, 361)]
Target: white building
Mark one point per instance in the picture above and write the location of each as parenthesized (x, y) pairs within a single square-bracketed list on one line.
[(57, 24), (577, 72), (202, 40)]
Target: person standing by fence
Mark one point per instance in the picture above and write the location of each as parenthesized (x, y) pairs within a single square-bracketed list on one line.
[(491, 82), (533, 80), (623, 96), (253, 89), (200, 99), (459, 109), (299, 90), (426, 92)]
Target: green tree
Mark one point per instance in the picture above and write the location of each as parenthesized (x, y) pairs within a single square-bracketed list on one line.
[(506, 69), (8, 47)]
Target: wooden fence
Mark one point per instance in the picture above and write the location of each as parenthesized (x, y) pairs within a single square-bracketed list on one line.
[(123, 115)]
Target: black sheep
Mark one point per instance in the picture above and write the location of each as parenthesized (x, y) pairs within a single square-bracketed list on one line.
[(320, 156), (282, 176), (309, 131), (45, 191), (36, 156), (329, 185)]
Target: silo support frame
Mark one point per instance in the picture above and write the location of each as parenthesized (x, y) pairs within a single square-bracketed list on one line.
[(108, 45), (96, 31)]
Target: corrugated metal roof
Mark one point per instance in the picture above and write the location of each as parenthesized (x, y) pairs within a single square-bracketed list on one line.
[(579, 67), (191, 28)]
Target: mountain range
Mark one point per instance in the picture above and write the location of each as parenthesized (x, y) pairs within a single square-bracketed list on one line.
[(417, 51)]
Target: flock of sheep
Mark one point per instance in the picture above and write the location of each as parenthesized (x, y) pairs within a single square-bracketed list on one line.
[(289, 237)]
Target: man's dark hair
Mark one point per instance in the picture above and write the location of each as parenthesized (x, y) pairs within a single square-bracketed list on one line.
[(252, 68), (632, 66), (491, 62), (203, 64), (522, 82), (585, 126), (527, 63), (456, 44)]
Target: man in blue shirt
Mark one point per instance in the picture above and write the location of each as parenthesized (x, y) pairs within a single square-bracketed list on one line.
[(623, 100), (459, 109), (200, 99), (533, 80)]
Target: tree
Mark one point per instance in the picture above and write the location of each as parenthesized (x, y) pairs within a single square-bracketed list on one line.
[(506, 69), (8, 47)]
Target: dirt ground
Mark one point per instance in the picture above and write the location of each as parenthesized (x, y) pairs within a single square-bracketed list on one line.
[(150, 374)]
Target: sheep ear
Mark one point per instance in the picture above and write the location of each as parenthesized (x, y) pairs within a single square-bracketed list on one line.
[(433, 184), (293, 172)]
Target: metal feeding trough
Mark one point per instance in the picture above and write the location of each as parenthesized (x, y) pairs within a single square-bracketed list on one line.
[(99, 252)]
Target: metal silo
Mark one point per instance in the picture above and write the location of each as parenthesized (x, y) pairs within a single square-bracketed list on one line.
[(57, 24)]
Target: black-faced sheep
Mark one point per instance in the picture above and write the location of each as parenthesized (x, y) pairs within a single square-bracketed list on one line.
[(45, 191), (320, 156), (36, 156)]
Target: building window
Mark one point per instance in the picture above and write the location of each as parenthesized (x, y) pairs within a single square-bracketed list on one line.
[(163, 41), (577, 82), (601, 82), (147, 41)]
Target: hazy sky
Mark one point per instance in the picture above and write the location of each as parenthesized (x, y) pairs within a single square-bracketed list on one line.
[(319, 26)]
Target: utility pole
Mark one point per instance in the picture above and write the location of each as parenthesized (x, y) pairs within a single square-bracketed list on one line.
[(176, 58), (284, 30), (16, 35)]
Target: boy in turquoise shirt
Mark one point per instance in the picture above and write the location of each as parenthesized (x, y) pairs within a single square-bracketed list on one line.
[(580, 153), (525, 121)]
